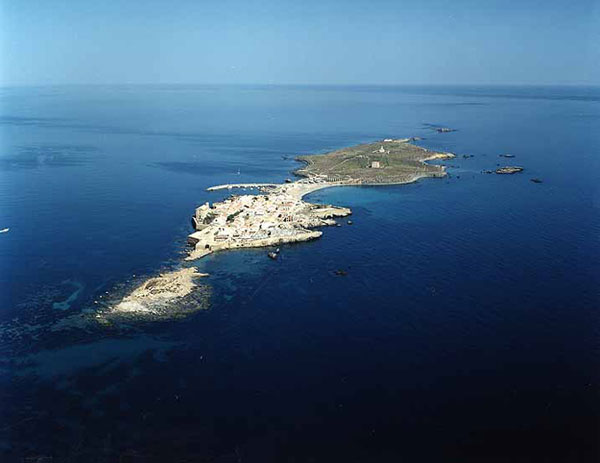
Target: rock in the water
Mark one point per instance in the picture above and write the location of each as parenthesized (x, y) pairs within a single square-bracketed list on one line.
[(536, 180), (158, 296), (509, 170)]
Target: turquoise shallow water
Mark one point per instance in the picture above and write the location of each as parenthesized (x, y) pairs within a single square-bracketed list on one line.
[(465, 330)]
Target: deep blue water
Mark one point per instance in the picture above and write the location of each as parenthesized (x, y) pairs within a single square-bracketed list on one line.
[(466, 329)]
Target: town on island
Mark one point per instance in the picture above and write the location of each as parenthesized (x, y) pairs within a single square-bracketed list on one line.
[(279, 215)]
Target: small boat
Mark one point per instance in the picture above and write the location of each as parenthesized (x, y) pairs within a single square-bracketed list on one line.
[(4, 230), (272, 255)]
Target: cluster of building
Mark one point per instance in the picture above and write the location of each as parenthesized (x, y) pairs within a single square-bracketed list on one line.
[(279, 216)]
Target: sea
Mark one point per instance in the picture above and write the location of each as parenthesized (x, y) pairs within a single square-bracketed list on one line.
[(464, 327)]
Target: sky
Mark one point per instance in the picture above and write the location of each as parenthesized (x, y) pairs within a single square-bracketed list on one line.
[(352, 42)]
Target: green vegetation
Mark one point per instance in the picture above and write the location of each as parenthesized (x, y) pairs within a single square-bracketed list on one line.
[(231, 217), (389, 161)]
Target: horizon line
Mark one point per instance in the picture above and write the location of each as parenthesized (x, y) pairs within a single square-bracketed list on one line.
[(267, 84)]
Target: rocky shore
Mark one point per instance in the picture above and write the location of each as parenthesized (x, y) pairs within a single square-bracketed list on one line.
[(156, 296)]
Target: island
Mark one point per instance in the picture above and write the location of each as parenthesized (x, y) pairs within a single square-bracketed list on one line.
[(273, 214), (280, 215)]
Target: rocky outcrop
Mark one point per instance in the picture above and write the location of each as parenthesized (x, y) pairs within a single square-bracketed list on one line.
[(158, 295), (509, 170)]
